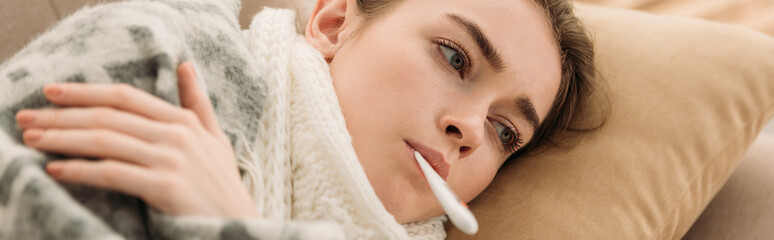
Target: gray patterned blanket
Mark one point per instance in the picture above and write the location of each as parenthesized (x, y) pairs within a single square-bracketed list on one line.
[(138, 43)]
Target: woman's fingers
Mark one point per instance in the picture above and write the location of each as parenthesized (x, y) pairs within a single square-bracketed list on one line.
[(91, 118), (119, 96), (98, 143), (197, 111), (107, 174), (192, 97), (161, 153)]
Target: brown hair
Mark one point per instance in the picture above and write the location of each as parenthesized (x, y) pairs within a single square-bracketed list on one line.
[(569, 111)]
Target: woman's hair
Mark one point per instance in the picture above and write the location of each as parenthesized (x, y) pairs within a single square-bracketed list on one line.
[(577, 85)]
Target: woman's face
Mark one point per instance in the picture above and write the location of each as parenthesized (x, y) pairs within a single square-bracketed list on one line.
[(463, 82)]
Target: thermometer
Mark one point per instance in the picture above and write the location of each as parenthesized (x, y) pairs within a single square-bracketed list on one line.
[(458, 212)]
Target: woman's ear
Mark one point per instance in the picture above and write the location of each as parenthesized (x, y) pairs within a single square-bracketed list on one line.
[(325, 29)]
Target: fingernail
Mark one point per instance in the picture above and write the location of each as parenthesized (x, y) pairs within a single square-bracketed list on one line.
[(53, 90), (54, 168), (32, 135), (25, 117)]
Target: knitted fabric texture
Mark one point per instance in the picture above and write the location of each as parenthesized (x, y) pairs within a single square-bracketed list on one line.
[(314, 156), (291, 142)]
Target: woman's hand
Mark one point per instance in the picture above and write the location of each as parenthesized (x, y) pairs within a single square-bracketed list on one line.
[(176, 159)]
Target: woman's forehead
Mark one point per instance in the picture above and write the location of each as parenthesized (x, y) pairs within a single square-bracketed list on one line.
[(519, 32), (517, 29)]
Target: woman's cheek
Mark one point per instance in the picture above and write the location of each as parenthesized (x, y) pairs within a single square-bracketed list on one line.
[(474, 173)]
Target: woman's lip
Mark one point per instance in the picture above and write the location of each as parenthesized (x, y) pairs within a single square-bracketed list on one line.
[(433, 157)]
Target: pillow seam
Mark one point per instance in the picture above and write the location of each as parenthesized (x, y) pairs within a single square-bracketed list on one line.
[(658, 230)]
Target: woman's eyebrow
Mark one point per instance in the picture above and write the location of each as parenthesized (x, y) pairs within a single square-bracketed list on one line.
[(527, 109), (491, 54)]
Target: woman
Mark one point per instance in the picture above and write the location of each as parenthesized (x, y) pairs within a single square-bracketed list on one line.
[(467, 84)]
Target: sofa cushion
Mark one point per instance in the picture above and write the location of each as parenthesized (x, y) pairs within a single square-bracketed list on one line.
[(25, 19), (742, 208), (21, 21)]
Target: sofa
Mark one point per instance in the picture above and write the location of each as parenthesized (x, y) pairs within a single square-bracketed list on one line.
[(716, 184)]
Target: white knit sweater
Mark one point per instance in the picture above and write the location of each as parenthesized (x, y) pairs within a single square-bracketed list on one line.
[(303, 166)]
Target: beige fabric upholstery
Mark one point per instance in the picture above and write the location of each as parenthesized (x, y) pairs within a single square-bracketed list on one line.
[(22, 20), (744, 207), (756, 14), (18, 26)]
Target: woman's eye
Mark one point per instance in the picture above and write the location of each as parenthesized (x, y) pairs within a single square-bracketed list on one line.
[(505, 133), (456, 60), (509, 137), (455, 56)]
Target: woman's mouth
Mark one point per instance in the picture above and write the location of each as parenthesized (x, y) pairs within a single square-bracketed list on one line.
[(433, 157)]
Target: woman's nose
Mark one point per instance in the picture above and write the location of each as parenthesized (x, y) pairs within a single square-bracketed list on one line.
[(466, 132)]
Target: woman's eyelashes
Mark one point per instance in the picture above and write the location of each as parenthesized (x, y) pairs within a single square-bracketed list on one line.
[(456, 56), (459, 61), (509, 137)]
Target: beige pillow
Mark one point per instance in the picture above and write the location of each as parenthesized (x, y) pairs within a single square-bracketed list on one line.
[(688, 97)]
